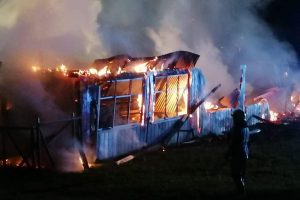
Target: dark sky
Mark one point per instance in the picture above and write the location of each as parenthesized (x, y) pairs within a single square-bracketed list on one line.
[(284, 18)]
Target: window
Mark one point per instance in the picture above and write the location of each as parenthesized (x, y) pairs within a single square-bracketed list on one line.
[(171, 96), (120, 102)]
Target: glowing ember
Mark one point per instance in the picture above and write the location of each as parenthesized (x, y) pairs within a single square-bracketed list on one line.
[(273, 116)]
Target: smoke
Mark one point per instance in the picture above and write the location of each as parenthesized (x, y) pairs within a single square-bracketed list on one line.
[(226, 34), (49, 32), (44, 33)]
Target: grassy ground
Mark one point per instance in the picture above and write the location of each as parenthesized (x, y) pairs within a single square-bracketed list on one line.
[(194, 171)]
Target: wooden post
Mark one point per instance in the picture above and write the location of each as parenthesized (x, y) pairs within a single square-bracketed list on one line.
[(33, 142), (80, 140), (242, 88), (46, 149)]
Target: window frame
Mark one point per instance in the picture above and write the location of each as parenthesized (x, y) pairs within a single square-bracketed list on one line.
[(115, 97), (166, 76)]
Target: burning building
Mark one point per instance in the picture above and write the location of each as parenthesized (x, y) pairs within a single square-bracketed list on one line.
[(140, 100), (125, 104)]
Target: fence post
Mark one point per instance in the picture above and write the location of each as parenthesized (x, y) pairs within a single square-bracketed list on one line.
[(81, 149), (33, 147)]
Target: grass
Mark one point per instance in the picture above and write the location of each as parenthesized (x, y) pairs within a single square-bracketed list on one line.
[(193, 171)]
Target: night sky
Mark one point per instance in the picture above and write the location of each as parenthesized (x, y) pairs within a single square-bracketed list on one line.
[(284, 19)]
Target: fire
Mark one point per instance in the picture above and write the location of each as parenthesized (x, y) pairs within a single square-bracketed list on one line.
[(12, 162), (141, 68), (185, 98), (138, 68), (273, 116), (35, 68), (63, 68), (209, 106), (93, 71)]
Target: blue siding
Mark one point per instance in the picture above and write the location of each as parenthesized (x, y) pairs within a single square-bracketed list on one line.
[(122, 140), (219, 121)]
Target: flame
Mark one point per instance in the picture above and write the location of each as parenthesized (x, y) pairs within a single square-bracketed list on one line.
[(119, 70), (35, 68), (63, 68), (103, 71), (93, 71), (273, 116), (209, 106), (13, 162), (185, 99), (141, 68)]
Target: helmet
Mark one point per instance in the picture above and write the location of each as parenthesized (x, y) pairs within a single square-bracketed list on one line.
[(238, 114)]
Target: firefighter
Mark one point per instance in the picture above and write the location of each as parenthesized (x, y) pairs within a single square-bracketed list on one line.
[(238, 149)]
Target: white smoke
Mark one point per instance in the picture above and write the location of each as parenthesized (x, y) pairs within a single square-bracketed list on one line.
[(49, 32), (226, 34), (44, 33)]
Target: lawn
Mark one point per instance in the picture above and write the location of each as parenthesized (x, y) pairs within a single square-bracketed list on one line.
[(191, 171)]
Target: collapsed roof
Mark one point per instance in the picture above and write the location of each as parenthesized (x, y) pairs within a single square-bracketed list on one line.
[(174, 60)]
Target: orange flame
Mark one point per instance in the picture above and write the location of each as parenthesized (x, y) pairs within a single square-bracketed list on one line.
[(209, 106), (35, 68), (141, 68)]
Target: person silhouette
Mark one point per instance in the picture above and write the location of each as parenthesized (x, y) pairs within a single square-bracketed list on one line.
[(237, 152)]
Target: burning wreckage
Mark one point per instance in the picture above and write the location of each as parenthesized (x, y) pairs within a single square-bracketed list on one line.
[(126, 104)]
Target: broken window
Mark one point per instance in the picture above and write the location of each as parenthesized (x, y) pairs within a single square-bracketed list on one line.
[(171, 96), (121, 102)]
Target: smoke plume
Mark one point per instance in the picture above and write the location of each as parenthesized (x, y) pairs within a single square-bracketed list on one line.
[(75, 32), (225, 33), (44, 33)]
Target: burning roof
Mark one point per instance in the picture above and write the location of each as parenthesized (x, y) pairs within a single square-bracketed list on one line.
[(174, 60)]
